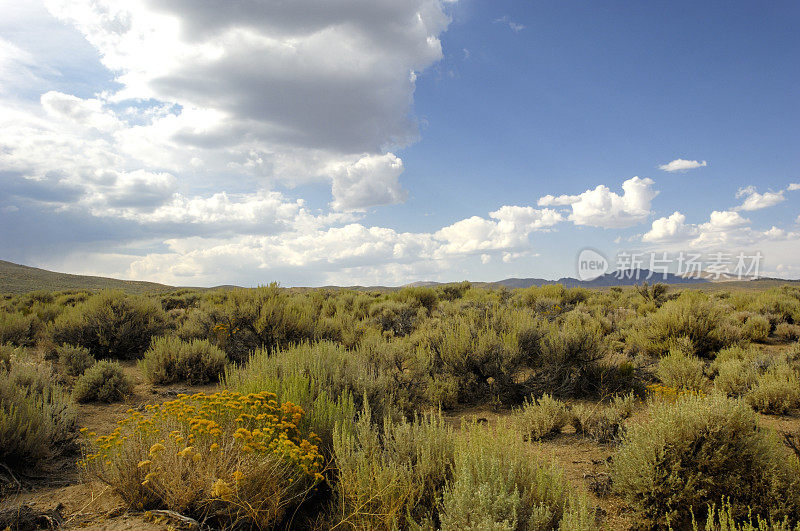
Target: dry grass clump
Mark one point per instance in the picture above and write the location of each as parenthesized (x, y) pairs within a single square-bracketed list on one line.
[(603, 423), (756, 328), (722, 519), (780, 305), (696, 450), (18, 329), (37, 420), (391, 477), (111, 325), (770, 384), (735, 375), (170, 359), (539, 418), (105, 381), (423, 475), (7, 352), (776, 391), (788, 332), (74, 360), (497, 485), (225, 459), (682, 370)]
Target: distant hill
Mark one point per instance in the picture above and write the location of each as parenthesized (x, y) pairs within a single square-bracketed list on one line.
[(609, 279), (15, 278), (628, 278)]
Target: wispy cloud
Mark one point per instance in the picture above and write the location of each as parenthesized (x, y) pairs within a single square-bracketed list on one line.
[(756, 201), (682, 165), (516, 27)]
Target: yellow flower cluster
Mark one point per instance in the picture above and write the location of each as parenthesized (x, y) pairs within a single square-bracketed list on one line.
[(670, 394), (225, 329), (200, 424)]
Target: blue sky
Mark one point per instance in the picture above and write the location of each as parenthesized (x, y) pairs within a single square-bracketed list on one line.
[(384, 142)]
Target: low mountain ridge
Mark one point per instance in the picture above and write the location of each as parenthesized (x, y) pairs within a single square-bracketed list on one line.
[(15, 278)]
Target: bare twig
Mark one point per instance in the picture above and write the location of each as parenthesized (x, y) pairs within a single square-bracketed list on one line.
[(177, 516), (791, 441), (11, 475)]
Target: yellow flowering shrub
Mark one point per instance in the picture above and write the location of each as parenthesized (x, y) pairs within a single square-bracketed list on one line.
[(223, 457), (660, 392)]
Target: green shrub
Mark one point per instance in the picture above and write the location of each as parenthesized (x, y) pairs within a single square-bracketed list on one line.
[(478, 352), (603, 424), (451, 292), (681, 370), (105, 381), (792, 355), (498, 486), (756, 328), (692, 315), (788, 332), (37, 420), (541, 418), (396, 318), (74, 360), (18, 329), (111, 325), (778, 305), (569, 356), (170, 359), (391, 478), (735, 377), (9, 353), (321, 377), (244, 320), (696, 450), (777, 391)]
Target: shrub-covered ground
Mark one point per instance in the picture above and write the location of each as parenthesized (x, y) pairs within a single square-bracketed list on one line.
[(447, 407)]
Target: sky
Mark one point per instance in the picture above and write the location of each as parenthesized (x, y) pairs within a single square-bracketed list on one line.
[(382, 142)]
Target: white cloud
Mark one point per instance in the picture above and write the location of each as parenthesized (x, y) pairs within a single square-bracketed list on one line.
[(670, 228), (300, 73), (726, 220), (509, 228), (726, 230), (561, 200), (682, 165), (299, 243), (756, 201), (266, 93), (86, 113), (371, 181), (603, 208), (793, 186)]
